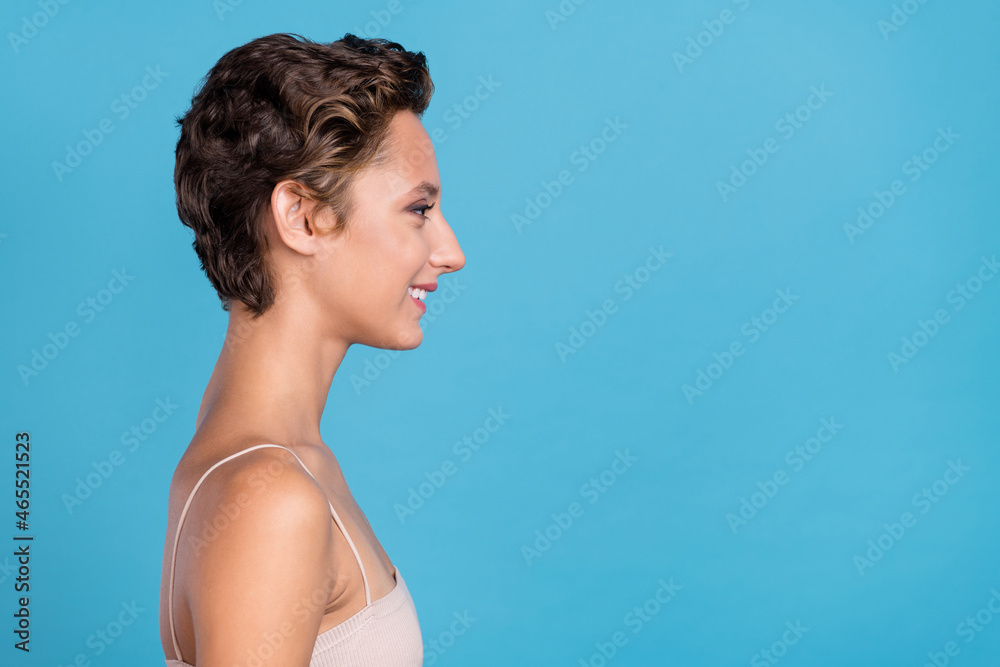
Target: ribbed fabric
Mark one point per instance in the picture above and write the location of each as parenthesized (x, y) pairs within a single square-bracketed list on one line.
[(384, 633)]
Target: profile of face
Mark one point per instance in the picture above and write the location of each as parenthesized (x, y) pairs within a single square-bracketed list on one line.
[(361, 282)]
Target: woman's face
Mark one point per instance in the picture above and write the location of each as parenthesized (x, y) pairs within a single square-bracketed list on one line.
[(396, 239)]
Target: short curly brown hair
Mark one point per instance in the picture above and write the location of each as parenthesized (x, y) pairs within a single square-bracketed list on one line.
[(282, 107)]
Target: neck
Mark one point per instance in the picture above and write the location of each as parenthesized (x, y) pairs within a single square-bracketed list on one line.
[(272, 377)]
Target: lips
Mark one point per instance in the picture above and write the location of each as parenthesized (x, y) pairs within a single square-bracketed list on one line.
[(419, 292)]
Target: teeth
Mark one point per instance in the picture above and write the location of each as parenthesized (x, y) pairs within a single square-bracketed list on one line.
[(417, 293)]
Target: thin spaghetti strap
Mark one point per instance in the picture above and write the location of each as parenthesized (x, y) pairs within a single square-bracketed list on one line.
[(340, 524), (180, 524)]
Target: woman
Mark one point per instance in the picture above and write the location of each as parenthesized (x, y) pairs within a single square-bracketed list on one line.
[(313, 192)]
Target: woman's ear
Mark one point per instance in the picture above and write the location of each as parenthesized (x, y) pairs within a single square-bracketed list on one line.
[(293, 217)]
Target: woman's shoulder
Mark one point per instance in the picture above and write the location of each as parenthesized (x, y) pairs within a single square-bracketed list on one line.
[(247, 487), (253, 511)]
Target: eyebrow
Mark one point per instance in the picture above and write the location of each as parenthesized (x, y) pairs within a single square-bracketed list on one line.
[(425, 188)]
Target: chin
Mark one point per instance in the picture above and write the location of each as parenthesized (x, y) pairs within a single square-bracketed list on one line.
[(405, 339)]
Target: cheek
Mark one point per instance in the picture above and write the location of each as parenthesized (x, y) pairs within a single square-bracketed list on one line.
[(416, 250), (378, 265), (380, 275), (402, 255), (345, 280)]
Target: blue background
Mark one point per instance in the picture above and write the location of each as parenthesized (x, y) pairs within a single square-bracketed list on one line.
[(524, 289)]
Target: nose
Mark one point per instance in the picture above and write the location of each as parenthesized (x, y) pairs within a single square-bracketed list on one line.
[(446, 255)]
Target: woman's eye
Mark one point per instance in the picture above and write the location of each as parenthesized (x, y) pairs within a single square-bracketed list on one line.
[(422, 210)]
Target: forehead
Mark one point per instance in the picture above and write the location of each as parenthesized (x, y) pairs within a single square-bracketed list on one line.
[(409, 154)]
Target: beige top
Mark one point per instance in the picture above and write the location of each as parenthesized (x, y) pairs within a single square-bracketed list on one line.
[(385, 633)]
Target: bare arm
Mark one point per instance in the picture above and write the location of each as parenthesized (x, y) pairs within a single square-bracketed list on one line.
[(257, 590)]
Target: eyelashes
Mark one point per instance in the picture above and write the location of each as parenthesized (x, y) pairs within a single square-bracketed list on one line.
[(422, 210)]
